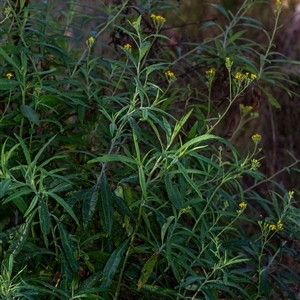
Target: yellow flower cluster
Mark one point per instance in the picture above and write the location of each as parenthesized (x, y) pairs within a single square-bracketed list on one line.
[(128, 47), (158, 18), (247, 76), (245, 108), (211, 72), (279, 7), (9, 75), (277, 226), (256, 138), (90, 41), (243, 205), (228, 63), (170, 75)]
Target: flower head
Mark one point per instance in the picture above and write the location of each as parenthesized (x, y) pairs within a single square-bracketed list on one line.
[(255, 164), (9, 75), (228, 63), (128, 47), (278, 226), (279, 7), (158, 21), (245, 109), (90, 41), (256, 138), (158, 18), (242, 206), (211, 71), (170, 76)]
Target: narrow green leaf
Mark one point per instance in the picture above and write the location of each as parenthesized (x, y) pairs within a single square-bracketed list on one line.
[(30, 114), (106, 205), (151, 68), (8, 84), (4, 186), (179, 125), (147, 270), (123, 208), (34, 162), (68, 247), (89, 203), (271, 99), (112, 264), (235, 37), (165, 227), (135, 127), (160, 291), (173, 193), (113, 158), (8, 59), (144, 49), (20, 204), (21, 236), (44, 217), (32, 205), (265, 287), (64, 204), (66, 273), (142, 181), (188, 178), (18, 194), (197, 140), (221, 9), (90, 281), (25, 149)]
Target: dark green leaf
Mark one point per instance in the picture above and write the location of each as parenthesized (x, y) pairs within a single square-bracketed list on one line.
[(106, 205), (30, 114), (68, 247), (112, 264), (89, 203), (173, 193)]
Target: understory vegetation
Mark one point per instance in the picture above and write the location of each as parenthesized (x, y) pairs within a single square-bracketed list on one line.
[(131, 166)]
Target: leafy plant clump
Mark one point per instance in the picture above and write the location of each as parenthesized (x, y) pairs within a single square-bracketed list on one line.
[(114, 182)]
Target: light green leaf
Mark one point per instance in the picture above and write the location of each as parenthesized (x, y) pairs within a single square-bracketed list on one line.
[(147, 270), (32, 205), (144, 49)]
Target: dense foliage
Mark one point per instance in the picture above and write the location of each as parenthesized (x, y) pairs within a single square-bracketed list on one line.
[(118, 179)]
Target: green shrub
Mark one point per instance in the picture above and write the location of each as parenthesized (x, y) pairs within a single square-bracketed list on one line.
[(115, 183)]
